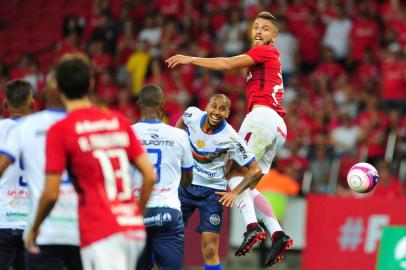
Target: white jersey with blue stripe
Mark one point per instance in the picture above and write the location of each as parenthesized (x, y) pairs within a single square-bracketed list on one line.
[(168, 150), (13, 188), (27, 140), (212, 151)]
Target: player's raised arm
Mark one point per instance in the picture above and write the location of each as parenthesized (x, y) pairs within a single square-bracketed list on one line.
[(217, 63)]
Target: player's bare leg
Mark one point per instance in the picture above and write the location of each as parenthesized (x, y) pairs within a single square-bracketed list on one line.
[(244, 203), (210, 245)]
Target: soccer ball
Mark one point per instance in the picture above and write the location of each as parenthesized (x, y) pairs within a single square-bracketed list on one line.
[(362, 177)]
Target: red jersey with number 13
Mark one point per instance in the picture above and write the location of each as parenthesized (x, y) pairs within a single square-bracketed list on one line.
[(264, 79), (95, 146)]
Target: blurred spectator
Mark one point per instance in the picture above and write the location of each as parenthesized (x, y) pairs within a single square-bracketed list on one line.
[(367, 70), (320, 168), (297, 14), (151, 32), (388, 185), (168, 8), (232, 34), (105, 32), (295, 161), (101, 60), (373, 122), (106, 89), (69, 44), (137, 65), (126, 105), (393, 79), (72, 24), (363, 33), (345, 136), (328, 67), (309, 42), (337, 34), (287, 45)]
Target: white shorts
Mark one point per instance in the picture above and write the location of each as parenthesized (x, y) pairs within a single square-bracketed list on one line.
[(119, 251), (265, 131)]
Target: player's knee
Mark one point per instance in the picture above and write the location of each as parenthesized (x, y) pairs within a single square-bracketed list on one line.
[(210, 251)]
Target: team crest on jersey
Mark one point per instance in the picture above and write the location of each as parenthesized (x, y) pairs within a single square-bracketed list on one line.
[(215, 219), (200, 144)]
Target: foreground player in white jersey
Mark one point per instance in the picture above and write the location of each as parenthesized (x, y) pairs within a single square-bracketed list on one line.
[(168, 149), (13, 188), (96, 146), (58, 240), (213, 142)]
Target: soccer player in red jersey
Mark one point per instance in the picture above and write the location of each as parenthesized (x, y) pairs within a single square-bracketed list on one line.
[(96, 146), (263, 128)]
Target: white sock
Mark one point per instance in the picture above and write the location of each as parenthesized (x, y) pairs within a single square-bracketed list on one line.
[(243, 202), (264, 212)]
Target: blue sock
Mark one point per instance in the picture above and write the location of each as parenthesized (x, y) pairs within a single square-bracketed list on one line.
[(212, 267)]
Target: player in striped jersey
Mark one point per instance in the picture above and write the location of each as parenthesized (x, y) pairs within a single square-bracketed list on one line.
[(213, 142), (13, 187), (168, 149)]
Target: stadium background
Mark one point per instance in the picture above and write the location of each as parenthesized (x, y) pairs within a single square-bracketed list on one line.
[(344, 72)]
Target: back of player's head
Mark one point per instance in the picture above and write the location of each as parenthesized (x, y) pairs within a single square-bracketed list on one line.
[(150, 96), (74, 75), (18, 94), (268, 16)]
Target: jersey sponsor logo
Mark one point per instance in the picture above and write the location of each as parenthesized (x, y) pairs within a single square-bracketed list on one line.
[(93, 126), (154, 142), (157, 220), (200, 144), (103, 141), (215, 219), (242, 150), (206, 172)]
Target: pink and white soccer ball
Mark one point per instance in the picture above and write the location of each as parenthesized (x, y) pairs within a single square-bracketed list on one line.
[(362, 177)]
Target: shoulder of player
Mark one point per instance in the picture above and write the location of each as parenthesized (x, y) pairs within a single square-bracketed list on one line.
[(192, 111), (228, 129)]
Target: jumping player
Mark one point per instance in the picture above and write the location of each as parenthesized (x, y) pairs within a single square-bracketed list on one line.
[(168, 149), (263, 128), (96, 146), (213, 142), (58, 240), (13, 187)]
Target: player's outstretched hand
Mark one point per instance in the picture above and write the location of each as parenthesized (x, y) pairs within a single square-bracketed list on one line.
[(227, 198), (30, 241), (178, 59)]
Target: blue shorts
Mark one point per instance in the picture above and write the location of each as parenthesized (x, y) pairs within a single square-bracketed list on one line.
[(203, 198), (165, 235)]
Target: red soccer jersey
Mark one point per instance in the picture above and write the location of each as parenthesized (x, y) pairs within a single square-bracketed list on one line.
[(264, 79), (95, 146)]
